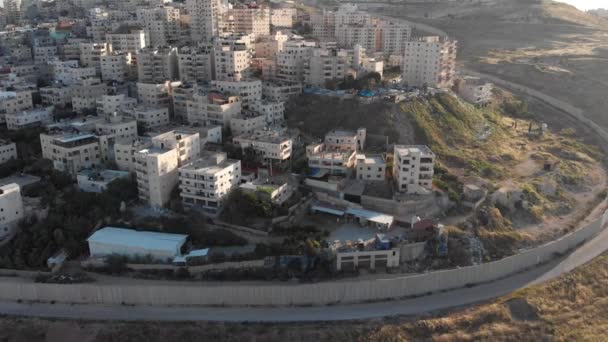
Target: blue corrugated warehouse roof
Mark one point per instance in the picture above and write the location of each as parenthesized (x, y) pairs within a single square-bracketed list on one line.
[(138, 239)]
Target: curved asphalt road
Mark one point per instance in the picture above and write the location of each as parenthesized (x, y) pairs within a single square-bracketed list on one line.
[(414, 306)]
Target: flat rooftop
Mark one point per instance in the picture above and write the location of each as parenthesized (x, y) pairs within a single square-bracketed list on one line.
[(404, 150), (209, 164), (138, 239), (371, 159)]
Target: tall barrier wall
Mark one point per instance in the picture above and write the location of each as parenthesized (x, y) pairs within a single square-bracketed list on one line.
[(351, 291)]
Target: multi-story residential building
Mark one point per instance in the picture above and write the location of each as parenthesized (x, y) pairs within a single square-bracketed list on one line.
[(180, 97), (206, 182), (157, 174), (370, 167), (72, 152), (268, 145), (249, 20), (344, 140), (91, 53), (156, 94), (13, 11), (429, 61), (204, 17), (8, 151), (292, 61), (14, 101), (150, 117), (116, 67), (195, 64), (352, 34), (413, 169), (69, 72), (161, 25), (118, 127), (247, 122), (248, 90), (29, 118), (59, 95), (283, 17), (280, 91), (20, 53), (231, 63), (475, 90), (394, 35), (269, 45), (326, 65), (124, 152), (126, 39), (157, 166), (108, 105), (86, 94), (157, 65), (323, 25), (334, 161), (11, 209), (273, 112), (44, 54), (213, 108)]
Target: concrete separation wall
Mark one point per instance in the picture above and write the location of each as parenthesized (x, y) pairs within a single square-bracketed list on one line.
[(352, 291)]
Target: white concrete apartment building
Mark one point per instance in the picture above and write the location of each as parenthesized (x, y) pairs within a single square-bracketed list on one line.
[(249, 20), (12, 10), (195, 64), (206, 182), (118, 127), (429, 61), (126, 39), (394, 35), (86, 94), (157, 65), (204, 17), (116, 66), (283, 17), (353, 34), (70, 49), (157, 166), (180, 97), (8, 151), (274, 112), (248, 90), (268, 46), (155, 94), (44, 54), (334, 161), (11, 209), (232, 64), (71, 152), (475, 90), (150, 117), (161, 25), (247, 122), (268, 145), (14, 101), (323, 25), (70, 72), (346, 140), (108, 105), (280, 91), (157, 174), (213, 108), (413, 169), (91, 53), (124, 152), (326, 65), (370, 167), (58, 95), (292, 61), (29, 118)]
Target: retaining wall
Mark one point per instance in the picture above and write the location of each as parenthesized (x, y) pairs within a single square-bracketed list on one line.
[(284, 294)]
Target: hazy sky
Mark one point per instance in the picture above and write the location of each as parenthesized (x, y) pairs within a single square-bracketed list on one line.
[(587, 4)]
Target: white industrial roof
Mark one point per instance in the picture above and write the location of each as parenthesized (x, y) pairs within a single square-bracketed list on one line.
[(138, 239), (371, 215)]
